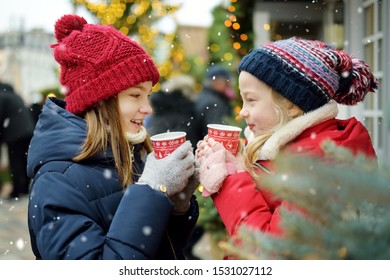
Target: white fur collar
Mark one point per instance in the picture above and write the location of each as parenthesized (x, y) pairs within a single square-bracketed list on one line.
[(292, 129), (136, 138)]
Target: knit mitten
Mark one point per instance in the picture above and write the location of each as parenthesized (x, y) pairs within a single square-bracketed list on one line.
[(216, 163), (170, 174)]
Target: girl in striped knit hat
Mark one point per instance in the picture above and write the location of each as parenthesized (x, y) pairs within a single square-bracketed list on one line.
[(290, 91)]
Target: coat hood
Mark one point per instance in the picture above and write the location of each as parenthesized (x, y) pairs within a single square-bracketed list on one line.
[(58, 136)]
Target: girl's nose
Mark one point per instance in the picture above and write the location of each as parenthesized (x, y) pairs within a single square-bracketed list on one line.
[(243, 113), (146, 109)]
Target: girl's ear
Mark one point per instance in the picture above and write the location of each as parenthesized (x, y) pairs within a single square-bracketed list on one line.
[(293, 111)]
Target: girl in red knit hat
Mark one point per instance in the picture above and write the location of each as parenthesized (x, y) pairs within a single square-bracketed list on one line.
[(290, 90), (98, 191)]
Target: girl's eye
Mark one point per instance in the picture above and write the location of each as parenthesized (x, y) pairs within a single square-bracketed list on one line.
[(135, 95)]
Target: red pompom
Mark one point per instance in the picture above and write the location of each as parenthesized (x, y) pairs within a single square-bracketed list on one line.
[(66, 24)]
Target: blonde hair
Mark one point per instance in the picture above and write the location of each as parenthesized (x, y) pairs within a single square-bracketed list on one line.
[(104, 128), (281, 106)]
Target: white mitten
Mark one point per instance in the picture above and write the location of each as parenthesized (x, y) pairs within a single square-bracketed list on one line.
[(171, 173)]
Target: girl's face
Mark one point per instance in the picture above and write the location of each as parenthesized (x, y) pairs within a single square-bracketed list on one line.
[(258, 109), (134, 106)]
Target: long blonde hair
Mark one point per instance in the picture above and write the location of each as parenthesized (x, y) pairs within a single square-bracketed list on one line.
[(281, 106), (104, 128)]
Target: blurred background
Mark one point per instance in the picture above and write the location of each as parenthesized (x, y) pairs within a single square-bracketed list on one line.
[(187, 37)]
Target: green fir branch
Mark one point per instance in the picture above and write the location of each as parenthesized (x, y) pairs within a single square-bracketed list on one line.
[(344, 205)]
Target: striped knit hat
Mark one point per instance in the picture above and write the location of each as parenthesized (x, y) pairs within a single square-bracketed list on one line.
[(97, 62), (310, 73)]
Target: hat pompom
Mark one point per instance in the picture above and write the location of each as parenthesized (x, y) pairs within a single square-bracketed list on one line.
[(360, 82), (66, 24)]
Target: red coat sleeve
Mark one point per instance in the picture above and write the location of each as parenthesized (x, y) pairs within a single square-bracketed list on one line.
[(239, 202)]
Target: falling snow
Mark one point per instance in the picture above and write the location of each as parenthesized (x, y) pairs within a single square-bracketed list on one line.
[(20, 244), (107, 173), (243, 214), (14, 242), (147, 230), (345, 74), (6, 122)]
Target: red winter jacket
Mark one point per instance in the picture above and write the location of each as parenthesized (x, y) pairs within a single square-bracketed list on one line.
[(239, 202)]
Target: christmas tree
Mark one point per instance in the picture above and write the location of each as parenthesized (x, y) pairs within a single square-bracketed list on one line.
[(220, 41), (345, 204), (231, 34), (138, 19)]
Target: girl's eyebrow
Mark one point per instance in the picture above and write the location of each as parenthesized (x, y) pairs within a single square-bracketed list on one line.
[(245, 93), (142, 88)]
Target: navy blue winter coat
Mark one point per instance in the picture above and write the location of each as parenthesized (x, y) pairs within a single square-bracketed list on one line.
[(80, 211)]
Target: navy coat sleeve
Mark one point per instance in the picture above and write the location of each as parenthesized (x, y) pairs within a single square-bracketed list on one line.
[(64, 223)]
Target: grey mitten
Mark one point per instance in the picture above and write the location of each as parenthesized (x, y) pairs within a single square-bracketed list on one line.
[(171, 173), (181, 200)]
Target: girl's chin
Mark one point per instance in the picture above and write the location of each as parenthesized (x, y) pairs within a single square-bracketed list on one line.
[(133, 131), (257, 133), (254, 131)]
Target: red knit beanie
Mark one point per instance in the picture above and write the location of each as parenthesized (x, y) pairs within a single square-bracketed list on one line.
[(97, 62)]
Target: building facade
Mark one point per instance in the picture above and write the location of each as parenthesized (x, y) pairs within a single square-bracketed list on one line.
[(27, 63)]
